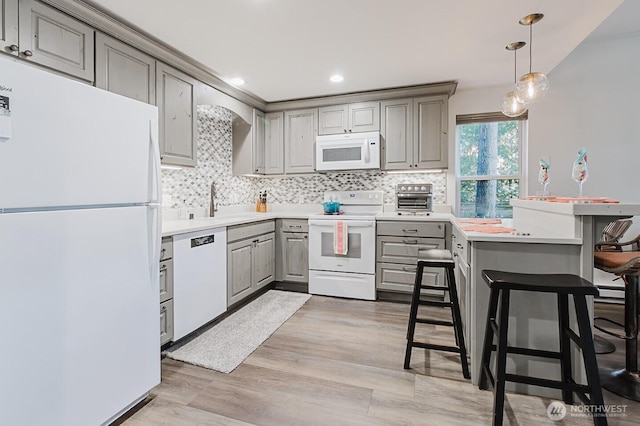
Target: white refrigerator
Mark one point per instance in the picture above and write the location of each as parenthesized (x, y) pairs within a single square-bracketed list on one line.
[(79, 250)]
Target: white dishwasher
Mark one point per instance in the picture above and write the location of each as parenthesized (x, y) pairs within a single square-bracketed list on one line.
[(200, 279)]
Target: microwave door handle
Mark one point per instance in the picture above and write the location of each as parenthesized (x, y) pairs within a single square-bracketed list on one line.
[(365, 149)]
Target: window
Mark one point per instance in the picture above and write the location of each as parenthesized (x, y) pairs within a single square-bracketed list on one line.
[(489, 164)]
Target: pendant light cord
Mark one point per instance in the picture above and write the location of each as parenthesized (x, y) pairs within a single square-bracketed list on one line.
[(515, 66), (530, 45)]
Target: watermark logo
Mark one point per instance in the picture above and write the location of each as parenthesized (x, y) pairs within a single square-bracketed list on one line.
[(556, 411)]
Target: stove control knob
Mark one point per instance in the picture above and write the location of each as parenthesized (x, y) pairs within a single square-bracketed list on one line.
[(402, 188), (424, 188), (415, 188)]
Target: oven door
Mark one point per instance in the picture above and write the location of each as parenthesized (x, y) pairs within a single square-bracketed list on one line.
[(361, 252), (356, 152)]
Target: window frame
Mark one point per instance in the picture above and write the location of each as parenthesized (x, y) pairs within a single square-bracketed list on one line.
[(523, 130)]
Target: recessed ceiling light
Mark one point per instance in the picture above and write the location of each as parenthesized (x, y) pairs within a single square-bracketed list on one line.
[(237, 81), (336, 78)]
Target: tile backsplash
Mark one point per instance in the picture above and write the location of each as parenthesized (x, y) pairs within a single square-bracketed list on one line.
[(192, 185)]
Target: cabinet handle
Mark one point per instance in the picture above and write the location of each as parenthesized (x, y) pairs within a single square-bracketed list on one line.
[(295, 226), (410, 165), (439, 226), (305, 237), (409, 230), (410, 241), (162, 309), (408, 269), (14, 48), (163, 269), (459, 245), (27, 53)]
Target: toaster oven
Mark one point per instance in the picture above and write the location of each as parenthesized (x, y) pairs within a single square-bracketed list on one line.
[(414, 198)]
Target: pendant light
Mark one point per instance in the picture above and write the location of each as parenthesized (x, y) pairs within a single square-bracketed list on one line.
[(534, 85), (511, 107)]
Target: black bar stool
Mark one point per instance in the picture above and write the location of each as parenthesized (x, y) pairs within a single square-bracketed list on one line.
[(626, 264), (501, 284), (436, 258)]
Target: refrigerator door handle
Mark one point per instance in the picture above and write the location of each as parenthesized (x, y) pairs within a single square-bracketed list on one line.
[(155, 177), (154, 229)]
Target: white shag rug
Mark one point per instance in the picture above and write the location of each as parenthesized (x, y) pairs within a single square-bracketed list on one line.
[(231, 341)]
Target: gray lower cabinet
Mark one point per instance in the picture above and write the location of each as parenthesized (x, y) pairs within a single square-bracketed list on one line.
[(175, 92), (166, 291), (250, 259), (292, 251), (300, 130), (414, 133), (38, 33), (399, 245), (124, 70)]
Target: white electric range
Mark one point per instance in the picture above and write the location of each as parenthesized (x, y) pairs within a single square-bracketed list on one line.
[(351, 275)]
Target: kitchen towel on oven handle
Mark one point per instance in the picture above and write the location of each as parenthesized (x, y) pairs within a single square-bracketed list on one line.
[(340, 237)]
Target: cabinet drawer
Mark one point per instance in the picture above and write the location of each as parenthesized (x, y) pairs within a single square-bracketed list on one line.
[(166, 322), (240, 232), (400, 278), (404, 249), (166, 250), (295, 225), (460, 245), (412, 229), (166, 280)]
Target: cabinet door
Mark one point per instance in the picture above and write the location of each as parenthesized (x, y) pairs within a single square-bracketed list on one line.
[(166, 322), (333, 119), (124, 70), (9, 26), (258, 142), (166, 280), (300, 129), (295, 257), (430, 132), (177, 110), (405, 249), (239, 270), (274, 143), (264, 260), (364, 117), (55, 40), (397, 134)]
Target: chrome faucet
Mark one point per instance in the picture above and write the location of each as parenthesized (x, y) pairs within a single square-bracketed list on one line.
[(213, 208)]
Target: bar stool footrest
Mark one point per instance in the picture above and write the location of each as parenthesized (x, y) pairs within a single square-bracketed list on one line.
[(435, 303), (530, 352), (435, 347), (610, 333), (434, 287), (555, 384), (434, 322)]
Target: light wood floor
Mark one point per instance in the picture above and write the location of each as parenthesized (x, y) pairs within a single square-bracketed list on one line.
[(340, 362)]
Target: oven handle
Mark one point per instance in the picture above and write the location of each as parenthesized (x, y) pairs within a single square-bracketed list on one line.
[(350, 223)]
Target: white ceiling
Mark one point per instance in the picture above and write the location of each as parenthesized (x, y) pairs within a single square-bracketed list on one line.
[(288, 49)]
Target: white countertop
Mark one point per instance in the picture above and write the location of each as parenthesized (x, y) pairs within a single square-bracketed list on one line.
[(580, 209), (514, 237)]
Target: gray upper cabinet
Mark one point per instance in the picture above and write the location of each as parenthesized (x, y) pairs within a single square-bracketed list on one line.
[(300, 129), (356, 117), (258, 142), (430, 132), (124, 70), (274, 143), (333, 119), (397, 134), (9, 26), (51, 38), (177, 109), (414, 133)]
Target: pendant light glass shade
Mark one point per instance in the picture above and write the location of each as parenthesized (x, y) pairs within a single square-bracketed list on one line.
[(511, 106), (534, 85)]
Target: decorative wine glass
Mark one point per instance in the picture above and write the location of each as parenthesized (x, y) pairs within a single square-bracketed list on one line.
[(580, 172), (543, 176)]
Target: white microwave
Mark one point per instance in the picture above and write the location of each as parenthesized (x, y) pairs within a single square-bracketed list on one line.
[(350, 151)]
